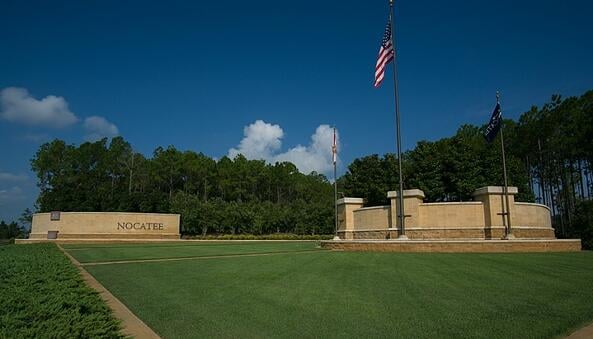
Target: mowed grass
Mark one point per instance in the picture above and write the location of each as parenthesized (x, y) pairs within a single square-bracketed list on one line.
[(123, 252), (327, 294)]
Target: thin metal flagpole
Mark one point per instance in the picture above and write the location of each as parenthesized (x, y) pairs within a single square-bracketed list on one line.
[(335, 155), (506, 211), (402, 218)]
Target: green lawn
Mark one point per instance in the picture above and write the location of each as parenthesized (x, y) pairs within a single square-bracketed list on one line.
[(123, 252), (347, 294)]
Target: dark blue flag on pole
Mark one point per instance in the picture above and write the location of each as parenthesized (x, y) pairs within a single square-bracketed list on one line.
[(494, 124)]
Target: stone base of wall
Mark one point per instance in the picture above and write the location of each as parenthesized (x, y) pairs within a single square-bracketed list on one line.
[(43, 236), (452, 233), (455, 246), (534, 233)]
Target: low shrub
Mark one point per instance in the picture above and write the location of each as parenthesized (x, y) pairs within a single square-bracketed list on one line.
[(275, 236), (43, 295), (6, 241)]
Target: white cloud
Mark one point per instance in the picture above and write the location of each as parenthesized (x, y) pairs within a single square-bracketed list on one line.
[(97, 128), (11, 195), (315, 157), (263, 141), (17, 105), (260, 141), (5, 176)]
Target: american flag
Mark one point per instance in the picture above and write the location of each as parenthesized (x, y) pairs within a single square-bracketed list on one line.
[(386, 54)]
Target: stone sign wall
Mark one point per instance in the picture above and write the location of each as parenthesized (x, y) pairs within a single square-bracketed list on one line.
[(104, 225), (478, 219)]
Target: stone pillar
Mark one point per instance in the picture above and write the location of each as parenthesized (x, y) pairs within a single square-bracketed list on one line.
[(493, 199), (412, 200), (346, 207)]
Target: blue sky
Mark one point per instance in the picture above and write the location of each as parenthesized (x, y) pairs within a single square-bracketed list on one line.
[(194, 74)]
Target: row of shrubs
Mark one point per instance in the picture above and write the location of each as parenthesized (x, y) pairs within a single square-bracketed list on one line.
[(6, 241), (43, 296), (275, 236)]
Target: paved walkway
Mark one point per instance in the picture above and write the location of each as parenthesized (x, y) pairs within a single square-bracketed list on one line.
[(132, 325)]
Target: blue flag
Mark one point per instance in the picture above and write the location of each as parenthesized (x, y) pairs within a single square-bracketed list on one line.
[(494, 124)]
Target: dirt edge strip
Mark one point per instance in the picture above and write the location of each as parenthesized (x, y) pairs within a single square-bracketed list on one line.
[(200, 258), (131, 324), (583, 333)]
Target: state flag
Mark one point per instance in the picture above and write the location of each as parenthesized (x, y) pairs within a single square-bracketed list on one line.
[(494, 125)]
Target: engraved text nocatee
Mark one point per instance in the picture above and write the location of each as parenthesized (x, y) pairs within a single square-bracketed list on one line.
[(154, 226)]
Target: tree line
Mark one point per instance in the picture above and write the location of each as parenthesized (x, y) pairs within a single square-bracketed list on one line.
[(549, 153), (449, 169), (11, 230), (557, 151), (213, 196)]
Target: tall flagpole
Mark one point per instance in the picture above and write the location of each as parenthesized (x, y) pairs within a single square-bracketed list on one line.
[(334, 158), (402, 218), (506, 211)]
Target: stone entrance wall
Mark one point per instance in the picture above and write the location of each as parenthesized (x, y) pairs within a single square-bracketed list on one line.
[(104, 225), (478, 219)]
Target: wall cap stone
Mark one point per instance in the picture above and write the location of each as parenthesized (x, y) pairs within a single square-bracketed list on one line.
[(407, 193), (452, 203), (372, 208), (495, 190), (350, 201), (532, 204)]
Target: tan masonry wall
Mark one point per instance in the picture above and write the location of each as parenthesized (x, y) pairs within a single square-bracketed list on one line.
[(479, 219), (448, 215), (534, 215), (106, 225), (372, 217)]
